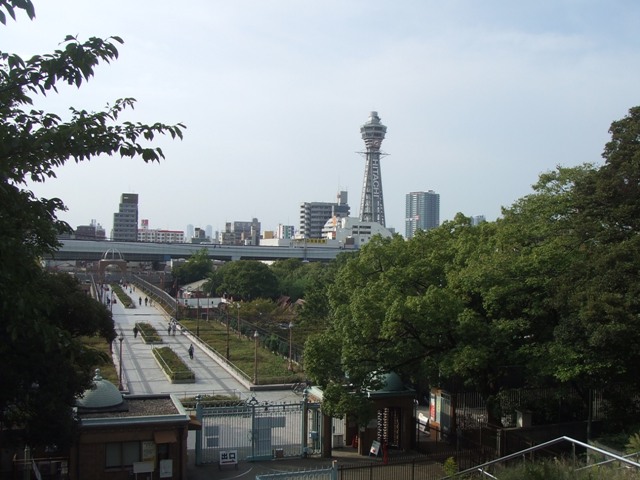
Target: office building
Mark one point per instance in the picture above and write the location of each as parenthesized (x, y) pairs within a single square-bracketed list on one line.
[(422, 212), (372, 200), (477, 220), (313, 215), (241, 233), (125, 221), (93, 231)]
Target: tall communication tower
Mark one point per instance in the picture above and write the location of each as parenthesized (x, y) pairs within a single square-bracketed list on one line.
[(372, 200)]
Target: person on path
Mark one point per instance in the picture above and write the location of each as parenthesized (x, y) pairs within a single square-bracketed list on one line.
[(169, 330), (191, 351), (140, 301), (135, 332), (173, 329), (146, 301)]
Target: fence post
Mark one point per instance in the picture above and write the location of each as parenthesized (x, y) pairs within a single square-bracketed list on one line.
[(305, 426), (198, 459)]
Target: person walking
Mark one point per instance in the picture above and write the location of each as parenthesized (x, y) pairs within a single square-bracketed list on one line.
[(140, 301), (135, 331), (191, 351)]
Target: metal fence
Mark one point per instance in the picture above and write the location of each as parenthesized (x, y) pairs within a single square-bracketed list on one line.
[(258, 431)]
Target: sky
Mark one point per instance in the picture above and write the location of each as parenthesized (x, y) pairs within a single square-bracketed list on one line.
[(479, 98)]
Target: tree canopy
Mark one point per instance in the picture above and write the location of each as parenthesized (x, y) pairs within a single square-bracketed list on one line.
[(44, 365), (545, 295)]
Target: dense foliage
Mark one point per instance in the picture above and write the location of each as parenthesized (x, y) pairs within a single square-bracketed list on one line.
[(44, 365), (546, 295)]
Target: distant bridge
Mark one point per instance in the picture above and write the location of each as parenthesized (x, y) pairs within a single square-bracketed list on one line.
[(89, 250)]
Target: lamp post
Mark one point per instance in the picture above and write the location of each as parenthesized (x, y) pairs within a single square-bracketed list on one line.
[(121, 339), (255, 358), (238, 325), (227, 336), (290, 330), (198, 314)]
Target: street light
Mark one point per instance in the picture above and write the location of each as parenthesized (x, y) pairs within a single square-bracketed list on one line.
[(198, 315), (227, 336), (121, 339), (255, 358), (239, 330), (290, 330)]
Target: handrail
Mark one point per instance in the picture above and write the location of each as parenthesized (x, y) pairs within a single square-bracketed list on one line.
[(604, 462), (541, 446)]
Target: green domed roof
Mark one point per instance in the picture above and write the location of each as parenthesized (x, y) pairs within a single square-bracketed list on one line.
[(391, 382), (391, 385), (102, 395)]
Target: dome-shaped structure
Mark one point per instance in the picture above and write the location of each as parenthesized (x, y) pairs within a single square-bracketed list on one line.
[(103, 395), (390, 385)]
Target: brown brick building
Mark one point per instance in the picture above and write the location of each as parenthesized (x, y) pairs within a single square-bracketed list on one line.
[(121, 435)]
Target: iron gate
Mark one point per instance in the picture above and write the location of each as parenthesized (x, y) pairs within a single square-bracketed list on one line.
[(258, 431)]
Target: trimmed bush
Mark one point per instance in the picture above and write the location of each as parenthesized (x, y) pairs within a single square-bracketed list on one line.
[(173, 366)]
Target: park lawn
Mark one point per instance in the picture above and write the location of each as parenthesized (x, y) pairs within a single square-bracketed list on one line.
[(272, 368)]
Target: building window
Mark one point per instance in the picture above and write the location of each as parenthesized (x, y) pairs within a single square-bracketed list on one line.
[(122, 454)]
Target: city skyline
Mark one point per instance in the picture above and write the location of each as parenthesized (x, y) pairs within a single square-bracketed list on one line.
[(479, 99)]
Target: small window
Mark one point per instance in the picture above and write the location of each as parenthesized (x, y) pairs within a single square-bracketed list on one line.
[(122, 454)]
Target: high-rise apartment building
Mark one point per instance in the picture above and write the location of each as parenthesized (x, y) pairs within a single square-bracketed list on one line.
[(285, 231), (313, 215), (422, 212), (125, 221)]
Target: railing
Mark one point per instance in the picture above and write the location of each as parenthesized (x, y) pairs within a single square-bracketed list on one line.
[(329, 473), (483, 467)]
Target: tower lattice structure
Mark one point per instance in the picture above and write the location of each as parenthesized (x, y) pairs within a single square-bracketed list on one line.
[(372, 200)]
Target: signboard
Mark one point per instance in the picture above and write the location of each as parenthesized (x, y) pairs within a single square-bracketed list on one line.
[(375, 448), (432, 407), (149, 452), (228, 457), (166, 468), (142, 467)]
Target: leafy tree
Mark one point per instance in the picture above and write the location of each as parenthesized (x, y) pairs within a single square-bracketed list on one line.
[(244, 280), (44, 367), (291, 275), (198, 267), (596, 340)]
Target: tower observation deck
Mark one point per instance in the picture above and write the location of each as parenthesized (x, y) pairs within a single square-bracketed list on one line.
[(372, 200)]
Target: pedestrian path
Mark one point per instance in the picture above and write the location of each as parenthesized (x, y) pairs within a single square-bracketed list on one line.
[(142, 375)]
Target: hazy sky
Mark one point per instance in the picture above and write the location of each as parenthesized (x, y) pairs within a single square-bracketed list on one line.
[(479, 98)]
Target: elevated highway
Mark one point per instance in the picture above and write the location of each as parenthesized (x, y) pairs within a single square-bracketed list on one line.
[(89, 250)]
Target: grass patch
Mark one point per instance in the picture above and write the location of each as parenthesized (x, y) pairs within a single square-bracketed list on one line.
[(149, 333), (173, 365), (272, 368), (104, 360), (213, 401)]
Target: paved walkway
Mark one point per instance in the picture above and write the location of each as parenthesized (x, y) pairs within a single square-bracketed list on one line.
[(142, 375)]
